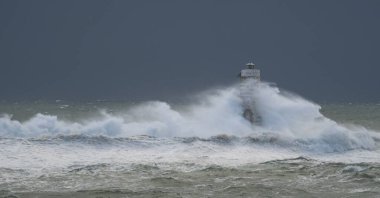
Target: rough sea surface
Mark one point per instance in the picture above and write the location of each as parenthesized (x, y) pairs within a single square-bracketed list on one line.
[(203, 148)]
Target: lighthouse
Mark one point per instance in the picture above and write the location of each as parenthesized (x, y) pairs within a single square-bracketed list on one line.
[(249, 80)]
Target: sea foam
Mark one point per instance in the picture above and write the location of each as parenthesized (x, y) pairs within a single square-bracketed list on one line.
[(289, 118)]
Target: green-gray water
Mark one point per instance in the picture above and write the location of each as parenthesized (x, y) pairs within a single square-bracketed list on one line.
[(206, 149)]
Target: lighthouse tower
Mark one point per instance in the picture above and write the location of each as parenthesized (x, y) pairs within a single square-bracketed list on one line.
[(249, 79)]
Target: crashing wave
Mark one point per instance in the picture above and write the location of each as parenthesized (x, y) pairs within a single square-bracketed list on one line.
[(287, 119)]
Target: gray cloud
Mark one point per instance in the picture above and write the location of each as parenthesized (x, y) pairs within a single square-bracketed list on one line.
[(132, 50)]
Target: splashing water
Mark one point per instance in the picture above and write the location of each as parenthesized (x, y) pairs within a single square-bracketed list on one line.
[(154, 147), (286, 117)]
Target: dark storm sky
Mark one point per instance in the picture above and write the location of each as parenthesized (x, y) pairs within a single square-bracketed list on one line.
[(133, 50)]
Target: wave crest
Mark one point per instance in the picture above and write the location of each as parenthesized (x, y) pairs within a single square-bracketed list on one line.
[(287, 119)]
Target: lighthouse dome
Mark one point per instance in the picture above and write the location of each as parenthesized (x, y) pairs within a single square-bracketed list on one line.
[(250, 65)]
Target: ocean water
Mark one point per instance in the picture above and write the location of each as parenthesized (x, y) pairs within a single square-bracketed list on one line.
[(199, 148)]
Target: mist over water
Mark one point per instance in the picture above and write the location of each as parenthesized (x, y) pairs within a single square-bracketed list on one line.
[(205, 135)]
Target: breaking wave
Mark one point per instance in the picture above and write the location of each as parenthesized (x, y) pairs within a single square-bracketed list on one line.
[(287, 120)]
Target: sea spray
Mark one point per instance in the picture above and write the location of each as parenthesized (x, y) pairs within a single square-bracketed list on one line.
[(206, 148), (291, 116), (287, 118)]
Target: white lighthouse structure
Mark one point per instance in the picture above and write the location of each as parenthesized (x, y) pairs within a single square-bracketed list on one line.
[(249, 79)]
